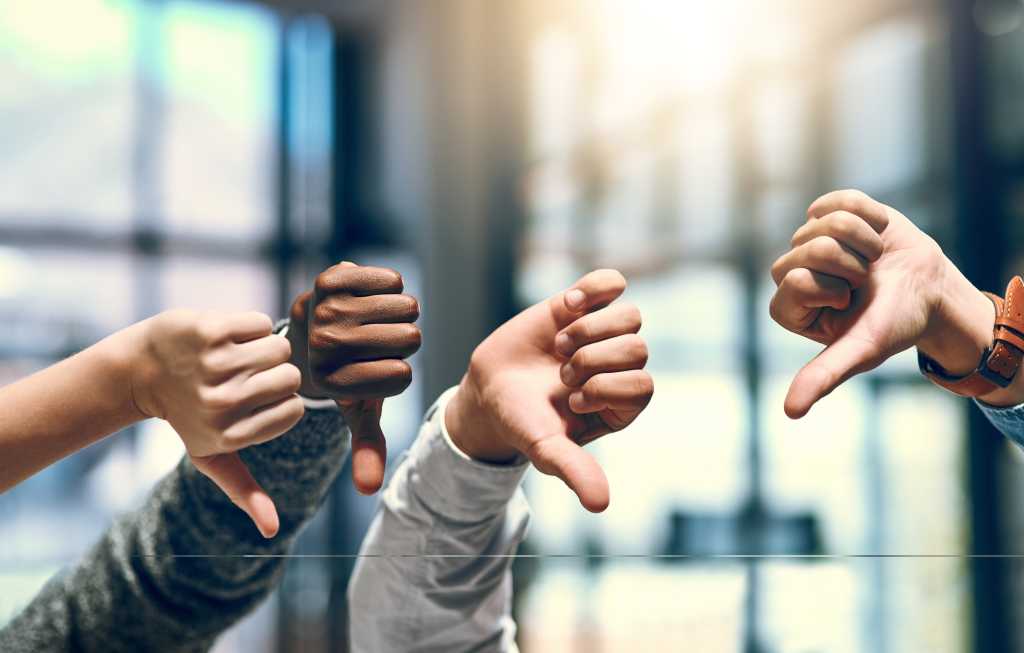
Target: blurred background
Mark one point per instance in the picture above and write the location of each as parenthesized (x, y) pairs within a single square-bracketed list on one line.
[(160, 153)]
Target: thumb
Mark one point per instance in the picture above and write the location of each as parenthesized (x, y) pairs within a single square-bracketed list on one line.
[(230, 474), (369, 448), (841, 360), (558, 456)]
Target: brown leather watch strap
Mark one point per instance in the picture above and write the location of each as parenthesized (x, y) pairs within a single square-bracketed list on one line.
[(999, 364)]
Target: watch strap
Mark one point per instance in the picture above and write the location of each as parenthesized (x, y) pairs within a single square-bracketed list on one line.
[(1000, 363)]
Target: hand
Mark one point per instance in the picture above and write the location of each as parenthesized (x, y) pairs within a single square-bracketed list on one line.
[(352, 350), (224, 383), (560, 374), (864, 281)]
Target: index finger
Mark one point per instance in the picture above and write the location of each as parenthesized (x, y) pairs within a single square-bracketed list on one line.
[(247, 326), (358, 281), (852, 201), (591, 292)]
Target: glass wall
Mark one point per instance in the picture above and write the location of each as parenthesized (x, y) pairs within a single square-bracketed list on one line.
[(186, 153), (172, 154), (682, 143)]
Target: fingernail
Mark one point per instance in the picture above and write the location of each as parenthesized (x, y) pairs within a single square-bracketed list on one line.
[(568, 376), (574, 299), (563, 344)]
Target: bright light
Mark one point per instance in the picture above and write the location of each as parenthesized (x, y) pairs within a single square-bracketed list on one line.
[(14, 273)]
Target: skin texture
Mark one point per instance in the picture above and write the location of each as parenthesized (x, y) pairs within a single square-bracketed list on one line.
[(861, 279), (350, 336), (560, 374), (220, 379)]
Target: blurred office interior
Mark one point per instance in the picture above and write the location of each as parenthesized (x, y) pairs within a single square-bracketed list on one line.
[(159, 153)]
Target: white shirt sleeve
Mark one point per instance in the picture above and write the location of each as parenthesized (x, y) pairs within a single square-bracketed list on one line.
[(433, 572)]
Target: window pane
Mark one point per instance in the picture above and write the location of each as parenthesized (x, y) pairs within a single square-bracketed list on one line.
[(632, 607), (67, 108), (880, 108), (310, 60), (218, 285), (816, 465), (55, 299), (219, 68)]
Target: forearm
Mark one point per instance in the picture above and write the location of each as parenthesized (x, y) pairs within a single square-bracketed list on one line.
[(67, 406), (175, 574), (434, 567)]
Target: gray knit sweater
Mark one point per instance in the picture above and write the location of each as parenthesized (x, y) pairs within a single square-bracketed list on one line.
[(172, 576)]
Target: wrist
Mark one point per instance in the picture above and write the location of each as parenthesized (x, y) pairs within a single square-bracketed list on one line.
[(130, 363), (470, 431), (961, 327)]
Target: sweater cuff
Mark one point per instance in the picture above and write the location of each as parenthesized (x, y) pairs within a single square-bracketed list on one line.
[(452, 483)]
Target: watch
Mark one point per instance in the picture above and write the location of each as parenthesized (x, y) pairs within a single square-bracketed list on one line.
[(1000, 362)]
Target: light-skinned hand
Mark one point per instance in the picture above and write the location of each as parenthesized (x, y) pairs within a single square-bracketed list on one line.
[(865, 282), (223, 381), (560, 374)]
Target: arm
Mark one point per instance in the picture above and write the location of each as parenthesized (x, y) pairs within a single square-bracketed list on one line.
[(175, 574), (434, 568), (406, 594), (134, 592), (865, 282), (221, 379), (38, 426)]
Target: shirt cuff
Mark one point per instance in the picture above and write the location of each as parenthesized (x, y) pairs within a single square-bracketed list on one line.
[(1009, 420), (451, 482)]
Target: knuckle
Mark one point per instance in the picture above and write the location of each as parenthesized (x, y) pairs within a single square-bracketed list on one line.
[(412, 336), (291, 379), (824, 248), (843, 224), (325, 282), (643, 386), (212, 362), (773, 309), (265, 324), (634, 318), (638, 350), (333, 339), (210, 329), (218, 398), (794, 240), (299, 307), (799, 280), (393, 277), (581, 331), (327, 312), (283, 348), (412, 307), (294, 409), (228, 438), (883, 216), (580, 361), (334, 279), (617, 279)]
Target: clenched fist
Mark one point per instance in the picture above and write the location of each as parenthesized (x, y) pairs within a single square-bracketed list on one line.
[(352, 334), (224, 383), (864, 281), (560, 374)]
